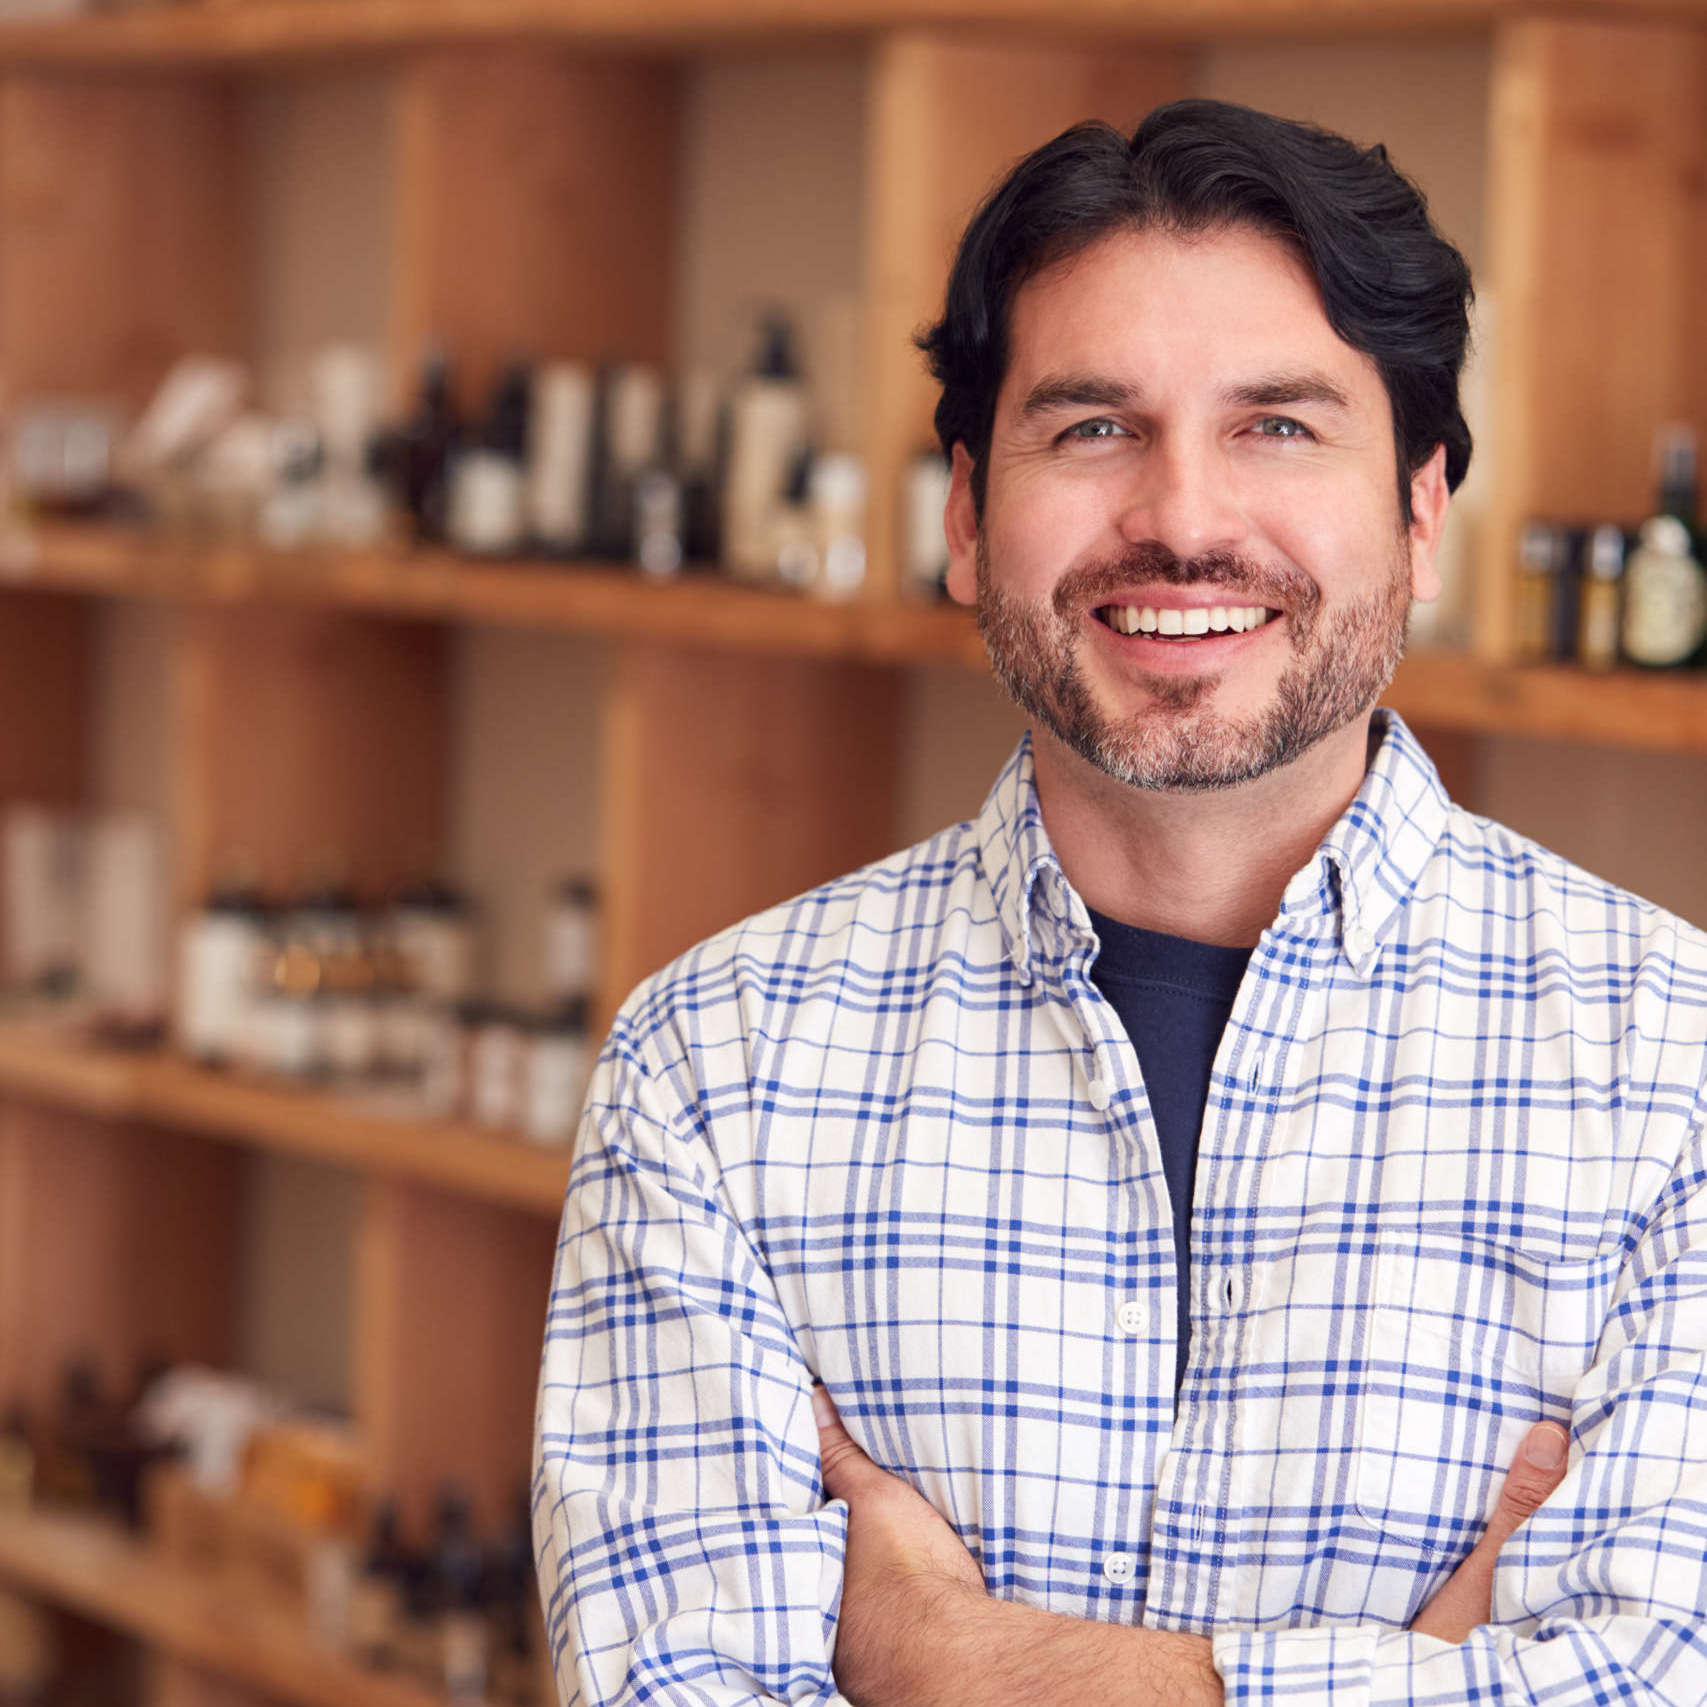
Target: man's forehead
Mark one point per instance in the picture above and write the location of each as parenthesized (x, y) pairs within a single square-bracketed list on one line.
[(1236, 302)]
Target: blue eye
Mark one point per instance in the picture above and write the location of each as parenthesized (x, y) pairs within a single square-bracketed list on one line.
[(1101, 428)]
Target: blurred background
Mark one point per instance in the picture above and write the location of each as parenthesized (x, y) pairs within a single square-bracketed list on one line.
[(470, 528)]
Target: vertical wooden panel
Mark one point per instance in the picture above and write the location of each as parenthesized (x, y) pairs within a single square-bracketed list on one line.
[(44, 692), (123, 230), (536, 208), (1598, 149), (303, 736), (115, 1242), (948, 115), (729, 786), (450, 1318)]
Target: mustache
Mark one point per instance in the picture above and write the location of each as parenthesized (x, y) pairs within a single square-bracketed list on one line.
[(1096, 583)]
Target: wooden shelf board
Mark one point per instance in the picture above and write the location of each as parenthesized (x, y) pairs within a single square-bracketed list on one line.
[(40, 1065), (91, 1566), (1655, 712), (255, 32), (573, 598)]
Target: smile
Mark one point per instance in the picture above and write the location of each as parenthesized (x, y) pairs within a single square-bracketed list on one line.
[(1170, 623)]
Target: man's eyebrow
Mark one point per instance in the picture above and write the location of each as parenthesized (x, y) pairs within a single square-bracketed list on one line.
[(1076, 391), (1277, 390)]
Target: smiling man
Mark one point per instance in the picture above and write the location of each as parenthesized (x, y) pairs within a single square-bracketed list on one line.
[(1226, 1222)]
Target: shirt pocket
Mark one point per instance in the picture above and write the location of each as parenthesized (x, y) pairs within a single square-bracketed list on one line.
[(1469, 1344)]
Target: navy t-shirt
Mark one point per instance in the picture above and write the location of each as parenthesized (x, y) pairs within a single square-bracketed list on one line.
[(1173, 996)]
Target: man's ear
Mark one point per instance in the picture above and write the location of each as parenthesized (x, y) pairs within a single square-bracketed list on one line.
[(960, 524), (1429, 499)]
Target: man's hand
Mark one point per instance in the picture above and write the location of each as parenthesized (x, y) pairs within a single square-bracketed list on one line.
[(918, 1629), (1466, 1598), (917, 1626), (908, 1581)]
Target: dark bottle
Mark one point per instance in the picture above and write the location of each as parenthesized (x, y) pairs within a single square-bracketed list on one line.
[(65, 1468), (424, 448), (512, 1594), (463, 1631), (377, 1595), (629, 442)]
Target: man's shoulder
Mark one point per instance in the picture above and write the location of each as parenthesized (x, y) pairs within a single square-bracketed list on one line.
[(1549, 905), (870, 923)]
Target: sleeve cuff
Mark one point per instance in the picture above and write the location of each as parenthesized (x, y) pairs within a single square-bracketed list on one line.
[(1336, 1665)]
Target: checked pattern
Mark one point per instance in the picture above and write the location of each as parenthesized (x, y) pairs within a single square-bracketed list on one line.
[(889, 1136)]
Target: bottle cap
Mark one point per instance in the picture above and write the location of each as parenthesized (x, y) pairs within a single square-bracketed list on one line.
[(1606, 548), (1665, 534), (776, 348)]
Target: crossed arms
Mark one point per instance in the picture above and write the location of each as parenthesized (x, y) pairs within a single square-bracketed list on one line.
[(688, 1554)]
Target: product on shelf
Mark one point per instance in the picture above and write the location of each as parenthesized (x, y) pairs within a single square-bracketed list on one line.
[(767, 436), (560, 458), (558, 1060), (1665, 583), (924, 549), (571, 940), (1600, 604), (630, 452), (498, 1050), (81, 921), (41, 875), (374, 1620), (460, 1596), (488, 474)]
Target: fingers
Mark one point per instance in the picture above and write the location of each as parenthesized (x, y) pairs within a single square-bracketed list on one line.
[(1536, 1471), (1466, 1599), (845, 1466)]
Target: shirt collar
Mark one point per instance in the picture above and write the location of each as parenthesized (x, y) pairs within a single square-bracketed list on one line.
[(1357, 882)]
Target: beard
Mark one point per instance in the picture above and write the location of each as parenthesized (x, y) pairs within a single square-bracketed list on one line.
[(1341, 662)]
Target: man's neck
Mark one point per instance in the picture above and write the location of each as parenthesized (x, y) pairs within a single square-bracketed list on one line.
[(1209, 866)]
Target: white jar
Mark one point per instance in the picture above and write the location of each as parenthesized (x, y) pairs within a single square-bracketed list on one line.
[(559, 1060), (219, 949)]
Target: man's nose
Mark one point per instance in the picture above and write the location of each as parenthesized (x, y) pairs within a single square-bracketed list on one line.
[(1181, 495)]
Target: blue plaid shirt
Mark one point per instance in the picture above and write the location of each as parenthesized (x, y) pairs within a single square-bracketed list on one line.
[(1451, 1181)]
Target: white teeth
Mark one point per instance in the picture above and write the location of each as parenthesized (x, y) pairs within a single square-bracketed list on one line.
[(1216, 619)]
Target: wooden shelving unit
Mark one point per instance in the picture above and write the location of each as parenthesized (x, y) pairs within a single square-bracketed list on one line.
[(699, 609), (92, 1567), (747, 744), (1653, 712), (162, 1089), (245, 31)]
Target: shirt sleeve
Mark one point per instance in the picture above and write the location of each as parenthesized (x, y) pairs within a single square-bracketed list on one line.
[(685, 1552), (1602, 1595)]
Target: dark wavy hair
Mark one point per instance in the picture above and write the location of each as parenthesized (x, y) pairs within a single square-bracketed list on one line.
[(1391, 285)]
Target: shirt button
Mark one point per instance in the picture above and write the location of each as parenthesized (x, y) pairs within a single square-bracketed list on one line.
[(1099, 1093), (1359, 944), (1119, 1567), (1132, 1317)]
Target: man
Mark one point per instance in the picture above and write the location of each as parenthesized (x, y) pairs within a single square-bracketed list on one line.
[(1198, 1181)]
